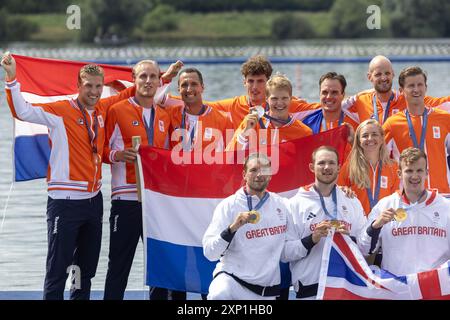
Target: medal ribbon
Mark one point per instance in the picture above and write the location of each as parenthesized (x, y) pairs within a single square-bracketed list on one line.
[(188, 144), (322, 203), (324, 122), (375, 108), (373, 200), (92, 136), (259, 204), (424, 129)]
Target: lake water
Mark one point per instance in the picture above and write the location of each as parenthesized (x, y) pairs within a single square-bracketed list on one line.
[(23, 242)]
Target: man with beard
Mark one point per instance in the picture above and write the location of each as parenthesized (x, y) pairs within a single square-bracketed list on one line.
[(315, 209), (413, 225), (381, 102), (421, 127), (247, 233)]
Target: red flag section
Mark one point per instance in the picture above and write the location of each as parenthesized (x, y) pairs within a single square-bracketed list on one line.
[(58, 77), (203, 180)]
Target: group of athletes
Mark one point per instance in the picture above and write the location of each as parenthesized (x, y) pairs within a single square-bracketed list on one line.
[(389, 195)]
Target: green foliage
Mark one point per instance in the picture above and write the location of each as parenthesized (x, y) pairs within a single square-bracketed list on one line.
[(289, 26), (250, 5), (161, 18), (109, 18), (33, 6), (421, 19), (15, 28), (349, 19)]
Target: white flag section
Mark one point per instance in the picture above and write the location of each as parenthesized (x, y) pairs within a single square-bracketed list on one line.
[(345, 275), (178, 201)]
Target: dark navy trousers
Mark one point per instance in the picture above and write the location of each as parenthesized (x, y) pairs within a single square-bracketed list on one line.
[(125, 225), (74, 232)]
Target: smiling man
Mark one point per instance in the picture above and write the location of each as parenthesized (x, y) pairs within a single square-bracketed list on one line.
[(247, 233), (314, 210), (413, 226), (422, 127), (382, 101), (75, 204), (194, 124), (274, 126)]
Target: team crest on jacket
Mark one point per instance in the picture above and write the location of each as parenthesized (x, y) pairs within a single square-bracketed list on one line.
[(135, 123), (344, 210), (161, 125), (100, 121), (80, 121), (436, 217), (280, 214)]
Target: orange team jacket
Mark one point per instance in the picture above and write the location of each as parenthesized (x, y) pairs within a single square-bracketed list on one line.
[(125, 120), (212, 124), (72, 171), (335, 123), (361, 105), (389, 183), (238, 107), (269, 135), (437, 143)]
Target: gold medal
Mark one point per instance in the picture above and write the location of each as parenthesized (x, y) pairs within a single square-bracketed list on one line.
[(400, 215), (254, 217), (335, 223)]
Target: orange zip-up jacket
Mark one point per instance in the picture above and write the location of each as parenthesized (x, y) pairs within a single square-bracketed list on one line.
[(389, 183), (212, 125), (72, 171), (125, 120), (362, 104), (238, 107), (269, 135), (436, 146)]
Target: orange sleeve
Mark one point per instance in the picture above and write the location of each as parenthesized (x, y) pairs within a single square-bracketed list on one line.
[(222, 105), (298, 105), (110, 124), (106, 103), (433, 102)]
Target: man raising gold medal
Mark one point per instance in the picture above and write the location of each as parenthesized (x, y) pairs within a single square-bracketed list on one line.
[(247, 233), (413, 225)]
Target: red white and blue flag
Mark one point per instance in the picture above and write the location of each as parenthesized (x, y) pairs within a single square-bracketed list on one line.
[(178, 201), (43, 81), (345, 275)]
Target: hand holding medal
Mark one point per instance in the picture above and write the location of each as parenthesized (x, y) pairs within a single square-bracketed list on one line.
[(400, 215), (253, 217)]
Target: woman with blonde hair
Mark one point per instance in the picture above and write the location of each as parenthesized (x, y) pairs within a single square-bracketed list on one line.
[(369, 171)]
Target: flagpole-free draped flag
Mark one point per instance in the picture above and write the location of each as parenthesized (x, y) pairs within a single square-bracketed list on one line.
[(178, 201), (43, 81), (345, 275)]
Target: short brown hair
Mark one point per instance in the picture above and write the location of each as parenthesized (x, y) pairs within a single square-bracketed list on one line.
[(334, 76), (191, 70), (92, 70), (257, 65), (278, 81), (410, 72), (259, 156), (326, 148), (411, 155)]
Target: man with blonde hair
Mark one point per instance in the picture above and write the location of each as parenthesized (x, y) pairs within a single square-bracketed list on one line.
[(136, 116)]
